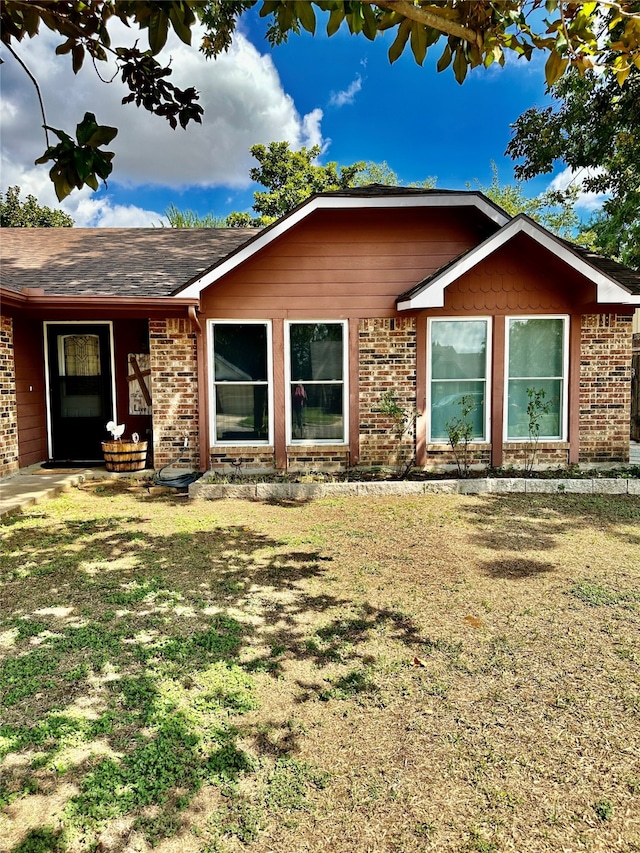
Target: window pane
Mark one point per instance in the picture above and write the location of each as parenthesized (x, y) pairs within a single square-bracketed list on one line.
[(446, 406), (240, 352), (535, 347), (458, 349), (242, 412), (317, 415), (316, 351), (81, 355), (518, 418)]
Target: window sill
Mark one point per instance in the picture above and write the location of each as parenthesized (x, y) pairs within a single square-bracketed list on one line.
[(321, 448), (444, 445)]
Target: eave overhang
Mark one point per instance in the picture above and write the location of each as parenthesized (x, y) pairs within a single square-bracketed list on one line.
[(336, 202), (33, 301), (431, 292)]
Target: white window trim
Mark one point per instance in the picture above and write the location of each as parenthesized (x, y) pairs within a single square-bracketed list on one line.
[(213, 442), (344, 382), (564, 379), (487, 379)]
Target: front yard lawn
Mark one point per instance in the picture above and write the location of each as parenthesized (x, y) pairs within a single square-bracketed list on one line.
[(443, 672)]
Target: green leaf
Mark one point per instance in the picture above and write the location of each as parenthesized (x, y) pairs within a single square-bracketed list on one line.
[(102, 136), (77, 57), (369, 27), (269, 7), (86, 128), (354, 21), (306, 15), (554, 67), (158, 30), (65, 47), (460, 66), (335, 19), (180, 20), (445, 59), (404, 30), (83, 163), (418, 42)]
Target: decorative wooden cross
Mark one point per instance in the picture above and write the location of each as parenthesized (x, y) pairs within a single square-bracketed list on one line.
[(138, 376)]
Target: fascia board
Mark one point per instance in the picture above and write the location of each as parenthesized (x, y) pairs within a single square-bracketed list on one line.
[(195, 288), (608, 291)]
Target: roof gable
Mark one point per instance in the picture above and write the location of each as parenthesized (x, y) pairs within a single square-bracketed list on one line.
[(614, 283), (368, 198)]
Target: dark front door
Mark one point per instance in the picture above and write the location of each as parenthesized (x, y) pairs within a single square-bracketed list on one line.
[(80, 386)]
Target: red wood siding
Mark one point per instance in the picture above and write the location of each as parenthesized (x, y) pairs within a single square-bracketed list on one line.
[(519, 278), (343, 263), (30, 391), (130, 336)]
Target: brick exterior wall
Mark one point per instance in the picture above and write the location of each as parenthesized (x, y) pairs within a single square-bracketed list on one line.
[(387, 363), (605, 388), (442, 456), (8, 405), (552, 454), (242, 459), (319, 458), (174, 384)]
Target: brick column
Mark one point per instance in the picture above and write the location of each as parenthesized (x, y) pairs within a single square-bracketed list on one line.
[(387, 363), (8, 406), (174, 384), (605, 388)]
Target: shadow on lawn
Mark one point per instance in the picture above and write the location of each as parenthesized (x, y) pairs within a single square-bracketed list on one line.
[(522, 523), (123, 675)]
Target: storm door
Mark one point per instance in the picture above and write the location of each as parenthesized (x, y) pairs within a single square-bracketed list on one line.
[(80, 389)]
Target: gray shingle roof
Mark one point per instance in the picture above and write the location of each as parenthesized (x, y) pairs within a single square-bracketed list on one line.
[(627, 277), (112, 261)]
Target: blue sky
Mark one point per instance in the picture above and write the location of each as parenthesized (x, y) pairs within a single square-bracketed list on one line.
[(341, 93)]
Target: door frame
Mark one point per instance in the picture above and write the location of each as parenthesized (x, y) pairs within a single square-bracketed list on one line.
[(47, 371)]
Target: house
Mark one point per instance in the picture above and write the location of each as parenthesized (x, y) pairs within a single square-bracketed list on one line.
[(273, 347)]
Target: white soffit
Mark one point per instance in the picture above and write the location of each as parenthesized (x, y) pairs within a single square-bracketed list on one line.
[(432, 296), (270, 234)]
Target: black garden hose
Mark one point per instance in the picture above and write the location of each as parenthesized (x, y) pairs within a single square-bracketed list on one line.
[(181, 481)]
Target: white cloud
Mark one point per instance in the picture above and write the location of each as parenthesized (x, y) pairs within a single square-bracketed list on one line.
[(241, 93), (586, 200), (87, 210), (311, 131), (346, 96)]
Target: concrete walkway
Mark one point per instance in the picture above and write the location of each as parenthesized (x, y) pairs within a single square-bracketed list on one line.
[(35, 484)]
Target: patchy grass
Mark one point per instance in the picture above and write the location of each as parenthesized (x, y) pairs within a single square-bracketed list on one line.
[(440, 673)]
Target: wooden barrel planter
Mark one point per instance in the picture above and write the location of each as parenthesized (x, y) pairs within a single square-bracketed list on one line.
[(125, 455)]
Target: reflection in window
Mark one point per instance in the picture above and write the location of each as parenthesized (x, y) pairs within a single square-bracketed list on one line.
[(316, 382), (536, 361), (458, 369), (240, 376)]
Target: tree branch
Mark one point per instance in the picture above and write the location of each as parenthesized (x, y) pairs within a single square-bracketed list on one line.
[(35, 83), (429, 19)]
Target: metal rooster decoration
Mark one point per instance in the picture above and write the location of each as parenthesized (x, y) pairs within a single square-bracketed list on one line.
[(116, 430)]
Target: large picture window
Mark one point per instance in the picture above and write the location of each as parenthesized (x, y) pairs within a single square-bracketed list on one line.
[(316, 371), (536, 361), (458, 374), (241, 370)]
